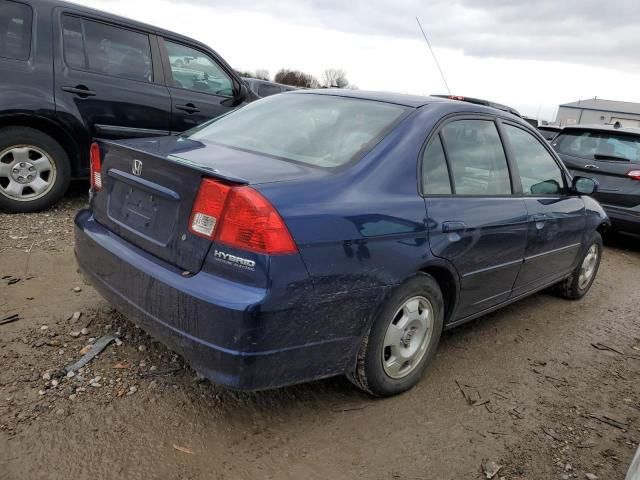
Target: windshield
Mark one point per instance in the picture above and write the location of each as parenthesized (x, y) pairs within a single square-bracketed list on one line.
[(321, 130), (599, 145)]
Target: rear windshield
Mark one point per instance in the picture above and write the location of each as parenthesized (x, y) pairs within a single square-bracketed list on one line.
[(321, 130), (603, 145)]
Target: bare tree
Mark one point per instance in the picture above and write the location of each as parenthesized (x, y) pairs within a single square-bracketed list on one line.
[(263, 74), (334, 78), (296, 78)]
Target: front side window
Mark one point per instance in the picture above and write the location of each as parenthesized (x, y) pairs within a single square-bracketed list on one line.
[(101, 48), (321, 130), (539, 172), (476, 158), (193, 70), (15, 30), (435, 173)]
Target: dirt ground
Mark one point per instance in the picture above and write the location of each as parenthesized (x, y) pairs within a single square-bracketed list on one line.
[(546, 388)]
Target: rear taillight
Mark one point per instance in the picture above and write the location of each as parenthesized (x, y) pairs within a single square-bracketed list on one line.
[(95, 166), (208, 207), (241, 218), (635, 174)]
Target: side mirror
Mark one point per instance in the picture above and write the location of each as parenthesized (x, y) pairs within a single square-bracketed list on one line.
[(243, 92), (584, 185)]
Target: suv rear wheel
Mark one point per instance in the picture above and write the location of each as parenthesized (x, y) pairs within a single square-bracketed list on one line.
[(402, 340), (34, 170)]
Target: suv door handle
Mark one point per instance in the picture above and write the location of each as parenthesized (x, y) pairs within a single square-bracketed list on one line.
[(189, 108), (540, 220), (449, 227), (80, 90)]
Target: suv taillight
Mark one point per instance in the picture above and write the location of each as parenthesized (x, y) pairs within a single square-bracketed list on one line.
[(95, 166), (241, 218), (635, 174)]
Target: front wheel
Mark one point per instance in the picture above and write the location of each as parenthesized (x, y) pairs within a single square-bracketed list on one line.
[(402, 340), (34, 170), (578, 284)]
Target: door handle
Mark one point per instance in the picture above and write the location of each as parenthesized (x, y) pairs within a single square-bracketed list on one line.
[(450, 227), (80, 90), (540, 220), (189, 108)]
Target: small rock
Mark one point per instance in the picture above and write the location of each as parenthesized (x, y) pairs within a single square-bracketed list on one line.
[(490, 468), (85, 349), (92, 340), (46, 376), (132, 389), (54, 383), (95, 385), (42, 392), (76, 316), (80, 389), (77, 289), (44, 327), (71, 374), (74, 333), (118, 342), (73, 396), (590, 476), (141, 348), (568, 467), (84, 331)]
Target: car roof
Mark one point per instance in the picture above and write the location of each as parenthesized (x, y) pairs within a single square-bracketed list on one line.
[(604, 128), (413, 101)]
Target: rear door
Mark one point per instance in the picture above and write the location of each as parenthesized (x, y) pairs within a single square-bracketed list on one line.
[(607, 157), (105, 78), (556, 217), (200, 87), (475, 219)]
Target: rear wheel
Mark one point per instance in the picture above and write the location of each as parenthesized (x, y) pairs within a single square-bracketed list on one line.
[(34, 170), (578, 284), (402, 340)]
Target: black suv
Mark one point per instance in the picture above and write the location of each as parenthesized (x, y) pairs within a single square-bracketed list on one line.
[(610, 155), (70, 73)]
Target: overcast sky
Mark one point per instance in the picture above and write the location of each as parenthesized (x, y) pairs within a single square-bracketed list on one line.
[(530, 55)]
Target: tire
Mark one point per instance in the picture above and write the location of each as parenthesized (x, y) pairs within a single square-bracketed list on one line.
[(376, 371), (575, 287), (45, 162)]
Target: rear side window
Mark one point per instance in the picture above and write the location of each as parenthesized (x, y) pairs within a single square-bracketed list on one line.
[(476, 158), (599, 145), (435, 173), (15, 30), (102, 48), (539, 172)]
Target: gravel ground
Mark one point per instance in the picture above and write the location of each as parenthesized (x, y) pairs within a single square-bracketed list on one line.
[(543, 389)]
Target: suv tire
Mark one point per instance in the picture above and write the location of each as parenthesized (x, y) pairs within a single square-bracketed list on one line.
[(402, 340), (34, 170)]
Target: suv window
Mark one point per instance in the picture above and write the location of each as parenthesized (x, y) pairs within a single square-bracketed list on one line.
[(193, 70), (15, 30), (607, 146), (476, 158), (539, 172), (435, 173), (106, 49)]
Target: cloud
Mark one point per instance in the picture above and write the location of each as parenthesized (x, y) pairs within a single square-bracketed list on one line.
[(588, 32)]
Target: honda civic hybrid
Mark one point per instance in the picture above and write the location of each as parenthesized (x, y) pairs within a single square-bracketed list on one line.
[(320, 233)]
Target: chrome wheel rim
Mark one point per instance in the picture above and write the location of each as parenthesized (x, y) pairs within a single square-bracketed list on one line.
[(588, 267), (407, 337), (26, 173)]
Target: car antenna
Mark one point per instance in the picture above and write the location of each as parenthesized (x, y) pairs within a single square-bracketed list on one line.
[(435, 59)]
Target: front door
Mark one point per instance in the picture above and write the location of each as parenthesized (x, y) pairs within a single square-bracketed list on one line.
[(200, 88), (556, 218), (475, 221), (104, 76)]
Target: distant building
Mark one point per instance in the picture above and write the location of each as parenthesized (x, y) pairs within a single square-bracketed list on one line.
[(596, 110)]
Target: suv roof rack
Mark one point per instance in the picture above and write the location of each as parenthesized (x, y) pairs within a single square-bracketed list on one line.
[(479, 101)]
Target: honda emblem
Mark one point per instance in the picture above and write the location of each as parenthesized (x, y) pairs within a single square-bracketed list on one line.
[(136, 168)]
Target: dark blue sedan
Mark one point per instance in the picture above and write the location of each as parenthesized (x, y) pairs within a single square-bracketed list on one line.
[(319, 233)]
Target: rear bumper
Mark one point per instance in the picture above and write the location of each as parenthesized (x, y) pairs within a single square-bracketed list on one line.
[(227, 331), (626, 219)]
